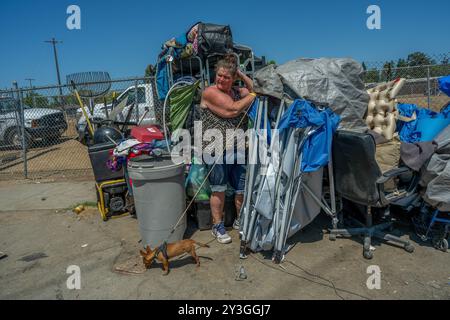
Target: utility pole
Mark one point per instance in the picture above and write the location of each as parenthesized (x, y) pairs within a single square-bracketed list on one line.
[(54, 42), (30, 79)]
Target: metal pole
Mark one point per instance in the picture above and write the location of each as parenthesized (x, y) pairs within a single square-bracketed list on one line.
[(32, 92), (428, 86), (34, 99), (30, 79), (136, 105), (22, 129), (54, 42)]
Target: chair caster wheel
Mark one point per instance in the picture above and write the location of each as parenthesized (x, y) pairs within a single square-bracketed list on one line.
[(368, 254), (409, 248), (442, 245)]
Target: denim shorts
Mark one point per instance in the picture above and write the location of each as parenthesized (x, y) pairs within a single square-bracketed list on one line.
[(223, 174)]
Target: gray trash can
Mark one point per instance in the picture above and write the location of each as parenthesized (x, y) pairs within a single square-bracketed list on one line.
[(159, 198)]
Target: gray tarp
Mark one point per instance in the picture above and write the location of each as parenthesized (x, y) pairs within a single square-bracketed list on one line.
[(333, 82), (436, 174)]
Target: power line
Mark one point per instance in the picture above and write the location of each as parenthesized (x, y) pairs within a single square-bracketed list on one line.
[(54, 43), (30, 79)]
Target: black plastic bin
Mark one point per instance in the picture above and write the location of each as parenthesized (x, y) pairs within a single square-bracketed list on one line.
[(99, 155)]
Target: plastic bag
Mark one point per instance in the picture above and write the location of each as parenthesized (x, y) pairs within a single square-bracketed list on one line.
[(196, 176)]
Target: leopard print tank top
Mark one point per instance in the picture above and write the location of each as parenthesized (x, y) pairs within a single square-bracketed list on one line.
[(212, 121)]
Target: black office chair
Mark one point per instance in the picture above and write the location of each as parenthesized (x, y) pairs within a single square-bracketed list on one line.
[(359, 181)]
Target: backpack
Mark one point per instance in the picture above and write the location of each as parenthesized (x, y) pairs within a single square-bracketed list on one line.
[(213, 38)]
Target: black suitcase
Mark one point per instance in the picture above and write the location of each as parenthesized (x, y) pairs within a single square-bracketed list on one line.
[(214, 38)]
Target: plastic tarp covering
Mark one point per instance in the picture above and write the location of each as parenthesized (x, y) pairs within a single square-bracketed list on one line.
[(436, 174), (444, 84), (316, 151), (425, 127), (333, 82), (252, 117), (180, 104), (305, 211)]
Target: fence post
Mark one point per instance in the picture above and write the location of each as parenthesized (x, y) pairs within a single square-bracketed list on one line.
[(428, 85), (136, 104), (22, 129), (34, 97)]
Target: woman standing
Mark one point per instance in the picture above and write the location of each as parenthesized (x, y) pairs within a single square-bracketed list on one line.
[(223, 108)]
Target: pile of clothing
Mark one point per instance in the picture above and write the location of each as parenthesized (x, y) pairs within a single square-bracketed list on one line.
[(131, 148)]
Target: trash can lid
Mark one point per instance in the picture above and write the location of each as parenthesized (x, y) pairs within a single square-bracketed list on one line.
[(152, 162)]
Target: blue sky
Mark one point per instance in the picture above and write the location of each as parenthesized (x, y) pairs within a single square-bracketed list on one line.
[(123, 37)]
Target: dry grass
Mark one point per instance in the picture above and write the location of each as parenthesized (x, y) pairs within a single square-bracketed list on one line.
[(436, 102), (67, 159)]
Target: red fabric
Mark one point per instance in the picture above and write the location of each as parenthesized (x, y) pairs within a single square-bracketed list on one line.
[(147, 133)]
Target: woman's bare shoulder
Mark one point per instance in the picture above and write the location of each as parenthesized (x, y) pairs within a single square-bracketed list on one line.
[(208, 94), (210, 90), (213, 93)]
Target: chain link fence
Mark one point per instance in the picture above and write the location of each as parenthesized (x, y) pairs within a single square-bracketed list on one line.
[(421, 73), (43, 131)]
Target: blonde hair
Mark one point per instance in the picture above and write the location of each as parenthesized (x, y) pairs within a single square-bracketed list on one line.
[(228, 62)]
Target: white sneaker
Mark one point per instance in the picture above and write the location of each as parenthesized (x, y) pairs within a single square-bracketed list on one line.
[(219, 232), (236, 224)]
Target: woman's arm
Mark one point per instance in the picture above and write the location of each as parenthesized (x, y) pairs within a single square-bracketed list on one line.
[(247, 82), (223, 105)]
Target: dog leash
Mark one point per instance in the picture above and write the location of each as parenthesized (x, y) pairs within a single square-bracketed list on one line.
[(205, 179), (240, 270), (240, 273)]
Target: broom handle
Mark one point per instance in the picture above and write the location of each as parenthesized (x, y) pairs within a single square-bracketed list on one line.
[(91, 130)]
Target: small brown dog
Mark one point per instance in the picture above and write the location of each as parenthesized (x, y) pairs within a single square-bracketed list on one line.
[(164, 253)]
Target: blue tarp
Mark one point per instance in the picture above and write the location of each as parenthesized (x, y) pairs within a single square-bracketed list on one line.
[(252, 112), (444, 84), (425, 127), (162, 78), (302, 114)]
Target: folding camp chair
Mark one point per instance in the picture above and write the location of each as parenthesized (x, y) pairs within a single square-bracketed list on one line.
[(274, 192)]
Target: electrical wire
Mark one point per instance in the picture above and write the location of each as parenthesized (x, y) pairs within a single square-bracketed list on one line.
[(318, 277), (332, 286)]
